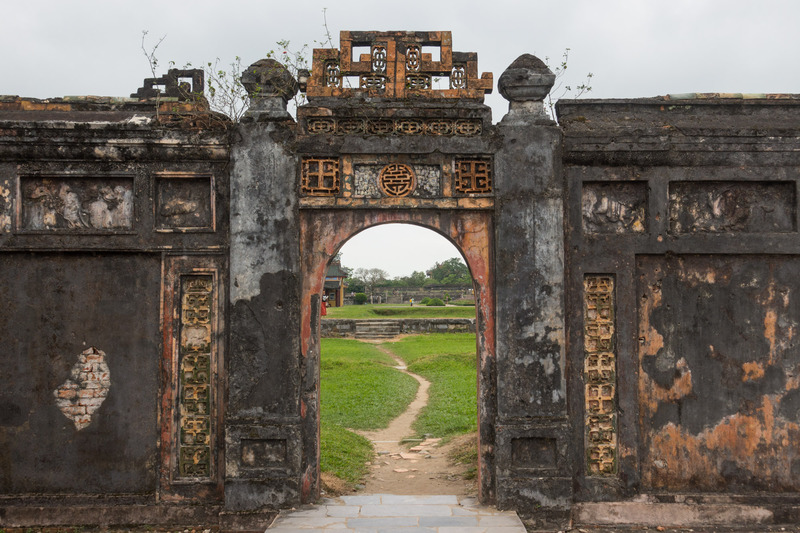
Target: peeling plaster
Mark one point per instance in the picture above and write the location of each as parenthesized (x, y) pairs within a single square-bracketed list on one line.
[(82, 394)]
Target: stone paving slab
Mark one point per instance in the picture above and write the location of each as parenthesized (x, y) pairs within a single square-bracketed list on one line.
[(388, 513)]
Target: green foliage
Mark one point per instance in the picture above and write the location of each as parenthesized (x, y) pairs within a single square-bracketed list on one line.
[(560, 89), (224, 89), (448, 361), (435, 302), (450, 272), (464, 302), (358, 388), (370, 278), (426, 301), (355, 285), (360, 298), (377, 311), (343, 453)]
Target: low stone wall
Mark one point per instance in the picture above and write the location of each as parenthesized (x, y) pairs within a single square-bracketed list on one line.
[(346, 327)]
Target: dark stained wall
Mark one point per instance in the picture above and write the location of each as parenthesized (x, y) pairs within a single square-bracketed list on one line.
[(56, 306), (682, 302)]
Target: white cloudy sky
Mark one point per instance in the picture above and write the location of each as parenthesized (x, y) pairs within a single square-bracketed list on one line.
[(633, 48)]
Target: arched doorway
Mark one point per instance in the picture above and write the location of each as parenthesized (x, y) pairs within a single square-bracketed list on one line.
[(322, 234)]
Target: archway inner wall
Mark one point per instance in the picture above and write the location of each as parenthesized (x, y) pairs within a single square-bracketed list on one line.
[(322, 232)]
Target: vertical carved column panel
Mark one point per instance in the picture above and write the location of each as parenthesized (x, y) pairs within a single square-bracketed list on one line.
[(195, 363), (600, 376), (192, 361)]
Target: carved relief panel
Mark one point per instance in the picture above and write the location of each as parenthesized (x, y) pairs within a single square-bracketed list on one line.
[(374, 178), (75, 204)]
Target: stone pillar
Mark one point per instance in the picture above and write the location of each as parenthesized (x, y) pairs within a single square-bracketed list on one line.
[(262, 430), (532, 451)]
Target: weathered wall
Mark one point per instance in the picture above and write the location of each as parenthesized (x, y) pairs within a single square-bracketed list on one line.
[(56, 306), (532, 451), (109, 216), (263, 445), (634, 273), (682, 306)]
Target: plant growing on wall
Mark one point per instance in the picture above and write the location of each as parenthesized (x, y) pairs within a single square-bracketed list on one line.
[(224, 89), (560, 88)]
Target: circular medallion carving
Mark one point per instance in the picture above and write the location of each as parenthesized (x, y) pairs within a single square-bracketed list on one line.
[(397, 180)]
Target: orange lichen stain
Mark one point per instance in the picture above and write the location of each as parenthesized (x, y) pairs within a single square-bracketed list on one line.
[(752, 371), (680, 388), (44, 106), (650, 342), (770, 327), (757, 444), (779, 329)]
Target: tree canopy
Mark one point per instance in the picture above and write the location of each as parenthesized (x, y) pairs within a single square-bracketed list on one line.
[(450, 272)]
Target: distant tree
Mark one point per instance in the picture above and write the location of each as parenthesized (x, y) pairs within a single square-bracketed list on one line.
[(370, 277), (416, 279), (354, 284), (450, 272)]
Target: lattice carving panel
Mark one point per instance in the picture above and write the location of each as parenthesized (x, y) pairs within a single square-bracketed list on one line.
[(320, 177), (600, 376), (397, 180), (397, 66), (195, 388), (473, 176), (401, 126)]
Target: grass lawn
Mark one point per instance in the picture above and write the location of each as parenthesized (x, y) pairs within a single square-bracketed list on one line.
[(379, 311), (343, 453), (359, 390), (448, 361)]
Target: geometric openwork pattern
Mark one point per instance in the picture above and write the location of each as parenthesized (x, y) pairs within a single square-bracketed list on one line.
[(397, 180), (600, 376), (320, 176), (397, 126), (195, 363), (473, 176), (396, 66)]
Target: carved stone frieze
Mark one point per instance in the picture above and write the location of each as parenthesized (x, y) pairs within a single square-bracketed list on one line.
[(195, 454), (614, 207), (600, 376), (76, 203), (720, 206)]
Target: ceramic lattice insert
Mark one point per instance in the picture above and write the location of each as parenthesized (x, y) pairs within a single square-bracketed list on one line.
[(397, 180), (473, 176), (320, 176), (194, 363), (397, 64), (600, 376)]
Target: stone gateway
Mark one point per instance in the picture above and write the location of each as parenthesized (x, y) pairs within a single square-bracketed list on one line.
[(161, 273)]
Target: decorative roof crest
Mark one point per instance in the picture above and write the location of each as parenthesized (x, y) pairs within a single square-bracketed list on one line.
[(395, 65)]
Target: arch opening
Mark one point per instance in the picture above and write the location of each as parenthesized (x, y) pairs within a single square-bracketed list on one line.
[(324, 235), (400, 374)]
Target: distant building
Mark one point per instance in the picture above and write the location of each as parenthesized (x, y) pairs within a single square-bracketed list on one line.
[(334, 284)]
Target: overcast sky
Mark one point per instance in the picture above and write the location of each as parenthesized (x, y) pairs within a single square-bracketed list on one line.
[(634, 48)]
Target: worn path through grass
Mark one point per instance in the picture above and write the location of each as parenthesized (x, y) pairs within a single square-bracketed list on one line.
[(361, 391), (449, 362)]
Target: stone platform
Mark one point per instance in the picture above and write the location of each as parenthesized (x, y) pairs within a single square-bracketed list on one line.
[(387, 512)]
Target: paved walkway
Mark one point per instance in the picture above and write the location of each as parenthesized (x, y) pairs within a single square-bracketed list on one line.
[(379, 513)]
